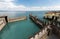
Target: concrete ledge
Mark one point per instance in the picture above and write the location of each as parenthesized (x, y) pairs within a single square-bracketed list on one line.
[(2, 23), (2, 26)]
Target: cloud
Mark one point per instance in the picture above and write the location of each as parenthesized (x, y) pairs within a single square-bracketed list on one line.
[(44, 8), (10, 6)]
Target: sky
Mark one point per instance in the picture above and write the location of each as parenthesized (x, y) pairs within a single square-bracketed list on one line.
[(29, 5)]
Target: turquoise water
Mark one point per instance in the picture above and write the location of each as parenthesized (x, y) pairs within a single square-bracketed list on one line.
[(21, 29)]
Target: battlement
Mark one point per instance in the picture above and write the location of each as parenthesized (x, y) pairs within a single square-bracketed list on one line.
[(42, 34)]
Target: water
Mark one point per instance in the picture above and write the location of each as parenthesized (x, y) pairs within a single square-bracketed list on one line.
[(20, 29)]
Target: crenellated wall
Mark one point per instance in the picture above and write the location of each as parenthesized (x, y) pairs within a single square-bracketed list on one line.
[(41, 35)]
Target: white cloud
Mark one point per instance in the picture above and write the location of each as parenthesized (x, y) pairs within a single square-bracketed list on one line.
[(9, 5), (47, 8)]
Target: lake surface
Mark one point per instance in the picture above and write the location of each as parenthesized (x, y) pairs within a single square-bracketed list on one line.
[(20, 29)]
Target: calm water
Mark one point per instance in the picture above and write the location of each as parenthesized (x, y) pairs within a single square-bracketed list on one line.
[(20, 29)]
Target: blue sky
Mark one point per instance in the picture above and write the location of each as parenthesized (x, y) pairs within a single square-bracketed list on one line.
[(29, 5), (38, 2)]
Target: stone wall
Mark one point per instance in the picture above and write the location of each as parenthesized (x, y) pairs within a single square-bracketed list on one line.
[(2, 23), (17, 19)]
